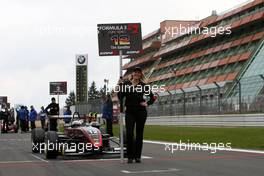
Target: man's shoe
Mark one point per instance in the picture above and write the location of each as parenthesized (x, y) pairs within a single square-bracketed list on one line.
[(130, 160), (138, 160)]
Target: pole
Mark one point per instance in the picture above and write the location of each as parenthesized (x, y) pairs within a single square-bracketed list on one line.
[(239, 96), (218, 97), (59, 107), (184, 105), (200, 102), (107, 85), (121, 115), (262, 77), (58, 97)]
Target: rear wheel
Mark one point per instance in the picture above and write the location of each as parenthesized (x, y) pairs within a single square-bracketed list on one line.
[(15, 129), (37, 138), (51, 142)]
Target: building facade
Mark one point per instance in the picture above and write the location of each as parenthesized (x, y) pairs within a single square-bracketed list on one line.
[(214, 65)]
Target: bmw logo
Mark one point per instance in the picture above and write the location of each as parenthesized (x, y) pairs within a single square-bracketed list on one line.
[(81, 59)]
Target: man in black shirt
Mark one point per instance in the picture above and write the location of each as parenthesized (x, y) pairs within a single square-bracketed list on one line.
[(53, 109)]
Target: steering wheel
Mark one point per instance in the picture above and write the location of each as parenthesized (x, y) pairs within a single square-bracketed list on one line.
[(75, 116)]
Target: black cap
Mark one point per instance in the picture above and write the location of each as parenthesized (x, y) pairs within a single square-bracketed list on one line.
[(137, 69), (53, 99)]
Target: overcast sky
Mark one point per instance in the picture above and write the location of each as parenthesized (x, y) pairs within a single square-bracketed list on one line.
[(39, 39)]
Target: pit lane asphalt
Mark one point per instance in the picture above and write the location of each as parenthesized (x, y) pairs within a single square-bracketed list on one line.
[(16, 159)]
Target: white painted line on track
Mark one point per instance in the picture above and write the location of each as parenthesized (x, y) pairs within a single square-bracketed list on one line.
[(245, 151), (89, 160), (101, 159), (218, 149), (146, 157), (150, 171), (16, 162), (39, 158), (17, 140)]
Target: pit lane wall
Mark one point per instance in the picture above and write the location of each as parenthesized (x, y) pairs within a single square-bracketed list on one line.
[(232, 120)]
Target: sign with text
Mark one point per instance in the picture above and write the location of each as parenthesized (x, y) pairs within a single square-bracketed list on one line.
[(115, 37), (58, 88), (81, 77)]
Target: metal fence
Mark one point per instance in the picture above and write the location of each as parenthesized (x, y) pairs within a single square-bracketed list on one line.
[(208, 106), (242, 99), (240, 96), (173, 106)]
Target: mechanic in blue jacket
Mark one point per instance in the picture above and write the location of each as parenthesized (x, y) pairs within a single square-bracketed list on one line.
[(107, 114), (22, 118), (32, 117)]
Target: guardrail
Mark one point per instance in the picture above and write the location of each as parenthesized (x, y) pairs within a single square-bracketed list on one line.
[(240, 120)]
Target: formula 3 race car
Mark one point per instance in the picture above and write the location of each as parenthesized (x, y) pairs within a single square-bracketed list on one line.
[(79, 138)]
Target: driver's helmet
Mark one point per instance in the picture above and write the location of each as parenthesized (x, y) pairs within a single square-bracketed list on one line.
[(77, 123)]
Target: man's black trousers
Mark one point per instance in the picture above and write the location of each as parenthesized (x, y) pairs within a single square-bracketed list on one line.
[(135, 118), (32, 125), (109, 127), (53, 124), (43, 124), (23, 125)]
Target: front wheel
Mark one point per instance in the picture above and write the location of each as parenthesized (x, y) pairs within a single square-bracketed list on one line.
[(51, 142), (37, 138)]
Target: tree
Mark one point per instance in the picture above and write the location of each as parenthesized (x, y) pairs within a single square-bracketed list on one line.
[(71, 99), (93, 93)]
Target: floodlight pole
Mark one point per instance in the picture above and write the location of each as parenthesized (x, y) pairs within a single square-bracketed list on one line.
[(121, 115), (239, 95), (58, 97), (218, 96), (200, 102), (184, 103), (1, 122)]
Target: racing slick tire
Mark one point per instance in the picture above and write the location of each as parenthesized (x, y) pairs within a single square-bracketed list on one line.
[(51, 142), (37, 138)]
